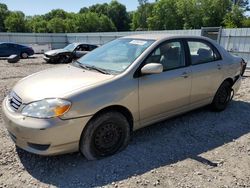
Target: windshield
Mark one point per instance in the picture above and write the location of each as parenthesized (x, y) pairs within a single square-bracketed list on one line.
[(117, 55), (70, 47)]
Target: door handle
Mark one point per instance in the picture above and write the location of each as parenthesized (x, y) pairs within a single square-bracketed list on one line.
[(184, 75), (219, 66)]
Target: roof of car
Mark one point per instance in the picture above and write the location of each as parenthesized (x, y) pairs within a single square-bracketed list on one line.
[(79, 43), (7, 43), (161, 36), (12, 43)]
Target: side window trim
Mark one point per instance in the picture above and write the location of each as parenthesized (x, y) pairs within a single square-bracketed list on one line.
[(182, 42), (165, 42), (213, 48)]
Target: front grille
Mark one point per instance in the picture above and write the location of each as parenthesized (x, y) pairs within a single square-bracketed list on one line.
[(14, 101), (41, 147)]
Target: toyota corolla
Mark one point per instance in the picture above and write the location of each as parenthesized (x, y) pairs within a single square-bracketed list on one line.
[(93, 104)]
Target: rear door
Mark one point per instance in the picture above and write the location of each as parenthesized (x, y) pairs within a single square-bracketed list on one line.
[(164, 94), (206, 66)]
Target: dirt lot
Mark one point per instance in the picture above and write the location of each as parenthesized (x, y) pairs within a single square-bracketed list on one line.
[(198, 149)]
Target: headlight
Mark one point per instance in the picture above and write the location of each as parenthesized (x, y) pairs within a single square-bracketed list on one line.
[(46, 108)]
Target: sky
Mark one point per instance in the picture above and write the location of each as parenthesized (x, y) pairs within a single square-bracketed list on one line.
[(34, 7)]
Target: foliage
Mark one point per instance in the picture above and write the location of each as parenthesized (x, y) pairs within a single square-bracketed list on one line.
[(139, 17), (118, 14), (113, 16), (15, 22), (3, 14), (164, 16), (234, 18), (114, 10)]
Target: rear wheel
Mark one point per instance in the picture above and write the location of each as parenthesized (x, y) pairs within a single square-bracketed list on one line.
[(222, 97), (105, 135)]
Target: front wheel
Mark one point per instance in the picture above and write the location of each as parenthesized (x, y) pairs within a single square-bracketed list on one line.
[(65, 59), (24, 55), (105, 135), (222, 97)]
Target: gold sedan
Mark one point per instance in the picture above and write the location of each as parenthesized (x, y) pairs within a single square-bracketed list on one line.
[(93, 104)]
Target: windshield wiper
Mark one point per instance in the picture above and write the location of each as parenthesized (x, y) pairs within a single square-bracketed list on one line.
[(103, 71), (81, 65), (87, 67)]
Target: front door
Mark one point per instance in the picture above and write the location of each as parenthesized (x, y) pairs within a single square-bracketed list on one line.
[(167, 93)]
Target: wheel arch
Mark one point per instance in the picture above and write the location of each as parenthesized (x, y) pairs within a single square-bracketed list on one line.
[(230, 80), (118, 108)]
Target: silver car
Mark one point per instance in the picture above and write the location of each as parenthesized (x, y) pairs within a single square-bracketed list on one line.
[(93, 104)]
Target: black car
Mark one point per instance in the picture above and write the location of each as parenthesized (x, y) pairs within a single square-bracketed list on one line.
[(69, 53), (7, 49)]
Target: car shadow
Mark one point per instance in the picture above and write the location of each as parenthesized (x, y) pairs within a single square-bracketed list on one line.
[(162, 144)]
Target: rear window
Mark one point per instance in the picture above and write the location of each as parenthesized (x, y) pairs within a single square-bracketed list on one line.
[(202, 52)]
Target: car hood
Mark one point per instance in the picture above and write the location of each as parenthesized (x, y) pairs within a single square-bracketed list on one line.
[(56, 82), (55, 52)]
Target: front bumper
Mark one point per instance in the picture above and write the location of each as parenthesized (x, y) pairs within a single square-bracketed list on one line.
[(47, 59), (44, 136)]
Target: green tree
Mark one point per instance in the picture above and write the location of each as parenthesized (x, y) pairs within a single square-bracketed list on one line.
[(37, 24), (56, 13), (213, 12), (15, 22), (118, 14), (106, 24), (100, 8), (70, 25), (83, 10), (234, 18), (242, 3), (246, 22), (139, 17), (114, 10), (164, 16), (4, 12), (93, 22), (56, 25), (190, 12)]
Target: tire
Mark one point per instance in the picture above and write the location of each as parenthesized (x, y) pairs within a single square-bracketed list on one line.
[(62, 59), (222, 97), (24, 55), (105, 135)]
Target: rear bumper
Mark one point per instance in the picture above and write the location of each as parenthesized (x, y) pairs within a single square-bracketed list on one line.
[(44, 136)]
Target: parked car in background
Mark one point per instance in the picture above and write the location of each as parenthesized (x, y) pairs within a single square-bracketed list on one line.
[(69, 53), (7, 49), (93, 104)]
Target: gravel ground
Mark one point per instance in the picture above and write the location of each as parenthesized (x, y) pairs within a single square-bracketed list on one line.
[(198, 149)]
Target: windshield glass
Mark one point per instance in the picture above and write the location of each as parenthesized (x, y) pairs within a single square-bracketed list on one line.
[(117, 55), (70, 47)]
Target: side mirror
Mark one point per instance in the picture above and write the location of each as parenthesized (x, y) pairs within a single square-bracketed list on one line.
[(152, 68)]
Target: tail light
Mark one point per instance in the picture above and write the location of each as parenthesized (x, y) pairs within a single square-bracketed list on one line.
[(243, 66)]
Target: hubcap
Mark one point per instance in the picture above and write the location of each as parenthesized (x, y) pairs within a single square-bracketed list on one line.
[(108, 138), (25, 55)]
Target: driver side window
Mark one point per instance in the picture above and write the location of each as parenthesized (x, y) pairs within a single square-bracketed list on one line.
[(170, 54)]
